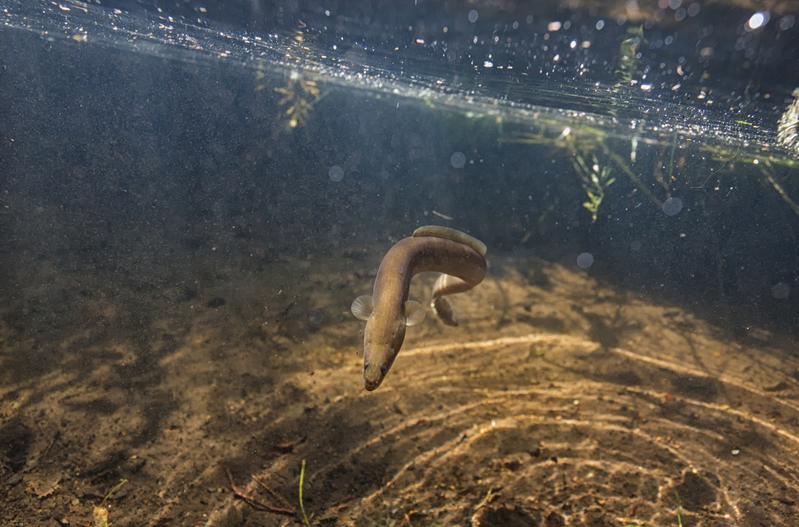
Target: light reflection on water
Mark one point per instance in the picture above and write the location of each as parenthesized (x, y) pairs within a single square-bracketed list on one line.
[(545, 76)]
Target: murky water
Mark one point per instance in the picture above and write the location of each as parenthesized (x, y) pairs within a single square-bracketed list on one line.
[(193, 194)]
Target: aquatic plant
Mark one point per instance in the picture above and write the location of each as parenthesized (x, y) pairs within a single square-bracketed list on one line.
[(679, 520), (771, 179), (628, 55), (299, 97), (100, 512), (302, 506), (595, 180), (788, 125)]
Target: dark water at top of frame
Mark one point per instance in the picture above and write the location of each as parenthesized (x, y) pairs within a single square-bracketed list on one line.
[(714, 74)]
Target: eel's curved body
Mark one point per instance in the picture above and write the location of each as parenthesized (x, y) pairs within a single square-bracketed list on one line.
[(459, 256)]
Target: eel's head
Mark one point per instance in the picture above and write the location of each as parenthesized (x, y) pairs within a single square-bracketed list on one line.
[(381, 343)]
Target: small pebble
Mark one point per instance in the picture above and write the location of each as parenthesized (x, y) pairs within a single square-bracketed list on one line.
[(216, 302)]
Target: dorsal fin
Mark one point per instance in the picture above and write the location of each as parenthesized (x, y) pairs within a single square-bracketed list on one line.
[(437, 231)]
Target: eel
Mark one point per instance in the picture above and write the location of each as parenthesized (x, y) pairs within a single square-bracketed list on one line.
[(461, 259)]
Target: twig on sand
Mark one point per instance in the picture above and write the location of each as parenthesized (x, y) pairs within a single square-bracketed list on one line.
[(278, 497), (254, 503)]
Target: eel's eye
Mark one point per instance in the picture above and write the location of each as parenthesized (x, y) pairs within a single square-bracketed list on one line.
[(365, 366), (383, 370)]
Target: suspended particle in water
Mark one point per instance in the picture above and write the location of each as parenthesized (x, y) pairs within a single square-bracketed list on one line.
[(635, 245), (457, 160), (473, 16), (585, 260), (672, 206), (781, 291), (336, 173)]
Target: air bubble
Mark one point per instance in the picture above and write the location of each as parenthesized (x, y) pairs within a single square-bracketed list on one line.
[(585, 260), (757, 20), (457, 160), (336, 173), (672, 206), (473, 16), (781, 291)]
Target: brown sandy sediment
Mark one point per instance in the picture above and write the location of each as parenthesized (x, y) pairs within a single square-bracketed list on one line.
[(557, 400)]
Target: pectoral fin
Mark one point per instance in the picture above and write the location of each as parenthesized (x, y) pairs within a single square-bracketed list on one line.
[(362, 307), (443, 310), (414, 313)]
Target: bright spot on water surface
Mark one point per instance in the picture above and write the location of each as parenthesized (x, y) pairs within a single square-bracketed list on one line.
[(780, 291), (672, 206), (757, 20), (585, 260), (336, 173), (457, 160), (473, 16)]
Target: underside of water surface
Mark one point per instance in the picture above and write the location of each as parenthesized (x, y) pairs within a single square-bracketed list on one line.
[(193, 193)]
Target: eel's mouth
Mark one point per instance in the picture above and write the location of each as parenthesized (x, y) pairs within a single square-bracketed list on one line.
[(373, 376)]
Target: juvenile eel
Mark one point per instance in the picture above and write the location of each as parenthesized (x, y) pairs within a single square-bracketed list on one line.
[(459, 256)]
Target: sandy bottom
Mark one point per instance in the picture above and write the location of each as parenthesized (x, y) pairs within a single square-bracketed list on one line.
[(558, 401)]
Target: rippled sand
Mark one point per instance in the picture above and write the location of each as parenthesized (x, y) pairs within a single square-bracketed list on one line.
[(557, 401)]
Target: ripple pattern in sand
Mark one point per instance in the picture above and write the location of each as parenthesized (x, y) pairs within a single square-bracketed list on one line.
[(547, 429), (557, 402)]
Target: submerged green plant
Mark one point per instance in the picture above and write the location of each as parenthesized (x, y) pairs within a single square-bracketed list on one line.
[(788, 125), (302, 506), (298, 98), (595, 180), (771, 179), (628, 55), (679, 520)]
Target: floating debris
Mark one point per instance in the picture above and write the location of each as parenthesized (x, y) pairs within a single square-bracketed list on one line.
[(441, 215)]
